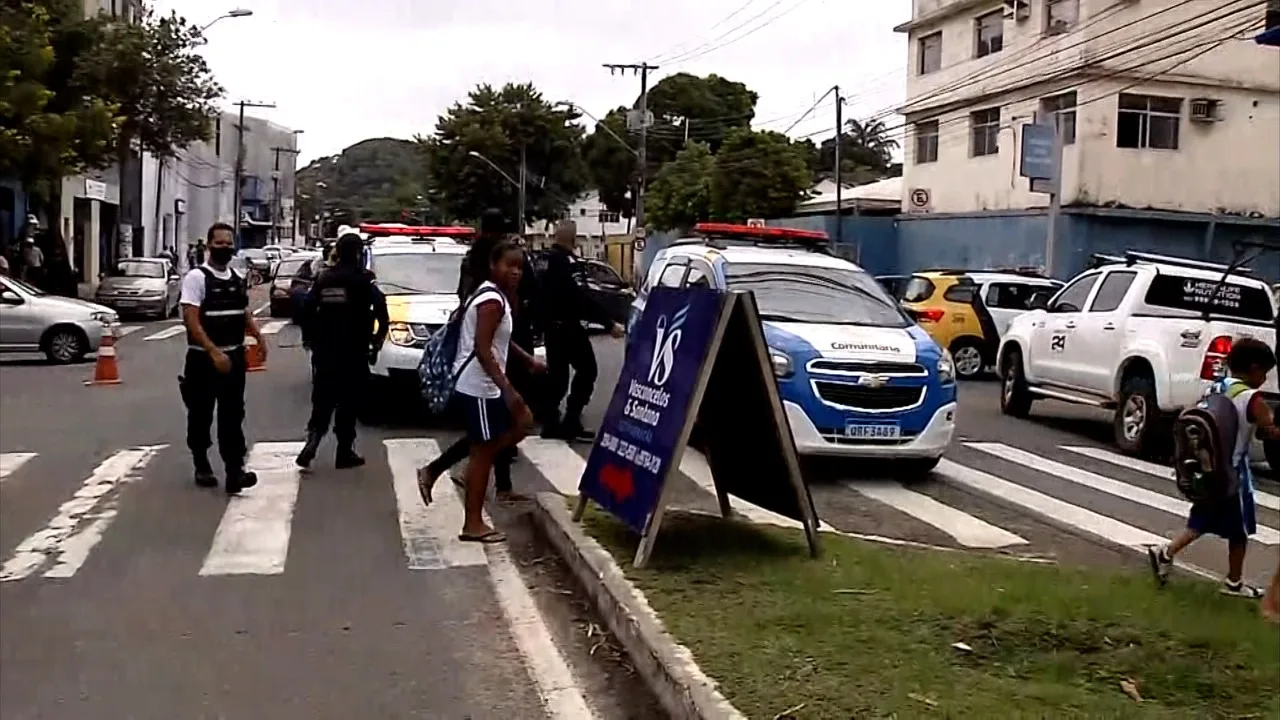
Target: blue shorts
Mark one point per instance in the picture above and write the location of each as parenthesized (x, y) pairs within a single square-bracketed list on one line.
[(1234, 518), (487, 418)]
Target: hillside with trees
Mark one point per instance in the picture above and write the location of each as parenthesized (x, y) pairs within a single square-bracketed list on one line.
[(379, 179)]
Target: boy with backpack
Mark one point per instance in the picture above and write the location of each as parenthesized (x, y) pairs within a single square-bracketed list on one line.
[(1212, 463)]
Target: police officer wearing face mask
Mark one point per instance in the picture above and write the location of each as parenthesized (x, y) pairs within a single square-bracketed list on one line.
[(338, 319), (215, 310)]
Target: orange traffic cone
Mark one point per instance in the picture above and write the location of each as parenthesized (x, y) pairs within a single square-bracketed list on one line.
[(106, 371), (253, 359)]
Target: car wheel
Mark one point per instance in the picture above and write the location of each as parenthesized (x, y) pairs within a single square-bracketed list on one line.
[(967, 355), (65, 345), (915, 469), (1015, 397), (1137, 418)]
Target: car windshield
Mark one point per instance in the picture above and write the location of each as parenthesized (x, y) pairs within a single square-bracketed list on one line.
[(417, 273), (139, 269), (803, 293), (24, 287), (290, 267)]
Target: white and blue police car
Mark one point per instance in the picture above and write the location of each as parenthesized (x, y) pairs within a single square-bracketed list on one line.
[(857, 377)]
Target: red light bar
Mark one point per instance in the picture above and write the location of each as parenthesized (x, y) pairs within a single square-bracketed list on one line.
[(764, 233), (417, 230)]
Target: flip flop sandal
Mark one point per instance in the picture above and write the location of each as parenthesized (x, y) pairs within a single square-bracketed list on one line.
[(489, 538)]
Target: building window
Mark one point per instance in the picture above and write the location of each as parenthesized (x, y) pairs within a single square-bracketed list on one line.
[(988, 34), (984, 132), (1148, 122), (606, 216), (217, 137), (926, 142), (930, 53), (1060, 16), (1063, 109)]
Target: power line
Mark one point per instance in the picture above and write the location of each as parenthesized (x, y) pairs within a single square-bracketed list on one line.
[(720, 22), (704, 50)]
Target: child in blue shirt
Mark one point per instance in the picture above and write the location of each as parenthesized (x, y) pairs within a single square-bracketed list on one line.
[(1234, 518)]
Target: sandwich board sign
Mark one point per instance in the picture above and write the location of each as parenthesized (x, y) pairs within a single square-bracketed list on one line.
[(697, 355)]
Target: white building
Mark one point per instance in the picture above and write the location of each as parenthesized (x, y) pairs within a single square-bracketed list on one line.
[(1164, 105), (596, 224)]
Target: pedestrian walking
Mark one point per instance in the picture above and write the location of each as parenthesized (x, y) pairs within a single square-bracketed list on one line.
[(567, 341), (343, 304), (497, 416), (32, 262), (1233, 517), (525, 324), (215, 310)]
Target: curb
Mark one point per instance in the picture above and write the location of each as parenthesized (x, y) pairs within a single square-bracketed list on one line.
[(667, 667)]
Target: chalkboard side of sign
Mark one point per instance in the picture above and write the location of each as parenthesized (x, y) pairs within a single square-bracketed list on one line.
[(742, 426)]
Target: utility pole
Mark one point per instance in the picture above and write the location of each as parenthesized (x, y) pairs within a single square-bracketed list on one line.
[(275, 193), (839, 178), (520, 199), (240, 158), (643, 70)]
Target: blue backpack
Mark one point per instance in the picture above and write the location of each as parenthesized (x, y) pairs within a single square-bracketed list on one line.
[(435, 370), (1204, 438)]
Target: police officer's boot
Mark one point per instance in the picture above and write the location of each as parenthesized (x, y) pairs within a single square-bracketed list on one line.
[(347, 457), (204, 476), (309, 450)]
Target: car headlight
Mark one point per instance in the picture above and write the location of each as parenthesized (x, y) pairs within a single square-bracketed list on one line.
[(782, 366), (946, 368), (408, 334), (105, 318)]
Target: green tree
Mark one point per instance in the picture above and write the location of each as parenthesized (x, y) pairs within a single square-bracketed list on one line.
[(611, 163), (758, 174), (496, 124), (681, 193), (866, 152), (50, 124)]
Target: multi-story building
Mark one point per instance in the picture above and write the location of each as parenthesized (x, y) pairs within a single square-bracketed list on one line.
[(1168, 112)]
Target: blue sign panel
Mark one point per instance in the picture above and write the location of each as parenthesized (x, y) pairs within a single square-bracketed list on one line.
[(1039, 158), (642, 428)]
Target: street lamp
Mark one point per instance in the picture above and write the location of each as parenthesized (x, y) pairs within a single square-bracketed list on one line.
[(519, 185), (237, 13), (599, 123)]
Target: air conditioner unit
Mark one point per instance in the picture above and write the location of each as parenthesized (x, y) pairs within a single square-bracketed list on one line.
[(1205, 110), (1017, 10)]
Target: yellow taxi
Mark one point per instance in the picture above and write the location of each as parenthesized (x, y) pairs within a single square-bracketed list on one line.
[(967, 311)]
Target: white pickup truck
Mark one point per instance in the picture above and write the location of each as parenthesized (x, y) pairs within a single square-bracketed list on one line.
[(1142, 335)]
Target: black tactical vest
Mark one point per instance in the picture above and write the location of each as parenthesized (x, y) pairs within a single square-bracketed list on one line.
[(344, 310), (222, 312)]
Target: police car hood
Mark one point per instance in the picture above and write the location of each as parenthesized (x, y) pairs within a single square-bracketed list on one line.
[(844, 341), (422, 309)]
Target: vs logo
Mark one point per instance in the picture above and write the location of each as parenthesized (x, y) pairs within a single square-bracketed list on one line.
[(664, 347)]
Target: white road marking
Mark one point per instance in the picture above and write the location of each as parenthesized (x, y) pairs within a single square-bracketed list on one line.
[(253, 537), (167, 333), (273, 327), (126, 330), (261, 309), (60, 535), (967, 530), (1159, 501), (11, 461), (557, 462), (694, 465), (1266, 500), (430, 533), (1051, 508)]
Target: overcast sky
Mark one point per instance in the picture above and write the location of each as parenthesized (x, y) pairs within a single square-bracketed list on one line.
[(347, 70)]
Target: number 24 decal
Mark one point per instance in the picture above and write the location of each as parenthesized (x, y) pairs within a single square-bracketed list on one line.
[(1058, 343)]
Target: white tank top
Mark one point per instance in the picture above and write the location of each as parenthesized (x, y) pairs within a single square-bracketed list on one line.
[(473, 380)]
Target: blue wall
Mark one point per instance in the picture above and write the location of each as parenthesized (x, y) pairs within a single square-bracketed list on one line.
[(13, 218)]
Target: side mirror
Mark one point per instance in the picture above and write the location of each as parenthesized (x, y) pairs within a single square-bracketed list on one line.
[(1039, 301), (8, 298)]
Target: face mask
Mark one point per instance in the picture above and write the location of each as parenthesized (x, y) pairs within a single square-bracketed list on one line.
[(221, 255)]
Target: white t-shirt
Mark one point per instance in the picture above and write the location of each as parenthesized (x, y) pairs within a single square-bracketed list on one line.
[(193, 284), (474, 381)]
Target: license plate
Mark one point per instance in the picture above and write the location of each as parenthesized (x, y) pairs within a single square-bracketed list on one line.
[(872, 432), (127, 303)]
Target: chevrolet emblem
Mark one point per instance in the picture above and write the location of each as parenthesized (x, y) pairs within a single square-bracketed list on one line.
[(873, 381)]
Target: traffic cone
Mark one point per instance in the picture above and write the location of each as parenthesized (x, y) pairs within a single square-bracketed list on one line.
[(106, 371), (253, 360)]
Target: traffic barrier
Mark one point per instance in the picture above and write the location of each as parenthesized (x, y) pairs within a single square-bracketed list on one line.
[(253, 357), (106, 371)]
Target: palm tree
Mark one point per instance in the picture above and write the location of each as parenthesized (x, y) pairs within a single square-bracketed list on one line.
[(871, 138)]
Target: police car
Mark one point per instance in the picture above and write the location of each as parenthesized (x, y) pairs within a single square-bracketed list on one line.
[(417, 269), (857, 377)]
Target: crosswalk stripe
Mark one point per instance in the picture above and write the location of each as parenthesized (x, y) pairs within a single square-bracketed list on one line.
[(1265, 499), (166, 333), (967, 530), (694, 465), (10, 462), (272, 327), (1050, 508), (1159, 501), (126, 330), (253, 537), (60, 536), (558, 463), (430, 533)]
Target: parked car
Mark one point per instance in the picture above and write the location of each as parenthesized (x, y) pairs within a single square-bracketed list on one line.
[(292, 279), (893, 284), (141, 286), (64, 329), (601, 283)]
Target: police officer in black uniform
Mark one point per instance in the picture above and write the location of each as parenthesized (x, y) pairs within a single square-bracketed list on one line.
[(337, 323), (215, 310)]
